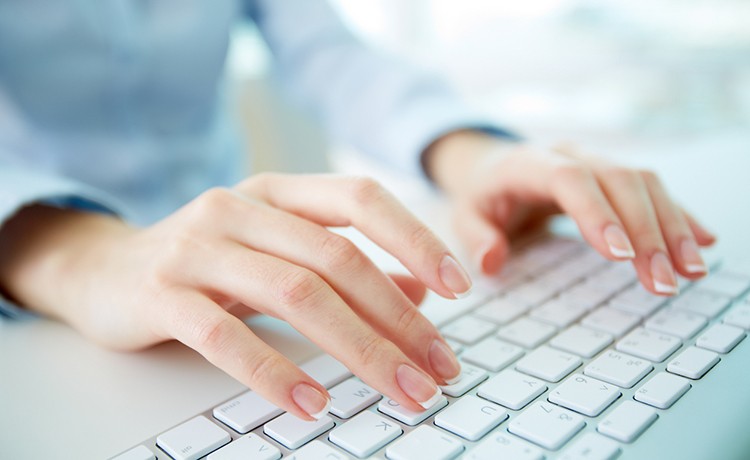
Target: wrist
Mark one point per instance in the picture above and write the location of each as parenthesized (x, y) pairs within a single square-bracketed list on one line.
[(453, 159), (52, 248)]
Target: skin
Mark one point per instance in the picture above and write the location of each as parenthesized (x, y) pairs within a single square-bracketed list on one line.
[(263, 246)]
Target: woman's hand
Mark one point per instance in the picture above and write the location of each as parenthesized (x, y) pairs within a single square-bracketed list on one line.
[(262, 246), (500, 188)]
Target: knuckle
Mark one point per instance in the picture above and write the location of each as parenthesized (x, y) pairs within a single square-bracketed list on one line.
[(621, 174), (365, 190), (570, 173), (419, 236), (300, 288), (217, 200), (262, 367), (649, 177), (369, 350), (338, 253), (257, 182), (409, 320), (212, 333)]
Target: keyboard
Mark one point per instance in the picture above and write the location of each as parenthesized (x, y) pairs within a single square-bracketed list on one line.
[(564, 355)]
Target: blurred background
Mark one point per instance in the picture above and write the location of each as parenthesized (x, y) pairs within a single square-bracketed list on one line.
[(602, 74)]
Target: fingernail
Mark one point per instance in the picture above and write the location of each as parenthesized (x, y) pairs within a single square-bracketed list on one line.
[(618, 242), (310, 400), (665, 281), (454, 277), (691, 257), (418, 386), (444, 362)]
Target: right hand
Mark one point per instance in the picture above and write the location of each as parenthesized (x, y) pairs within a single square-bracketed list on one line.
[(260, 246)]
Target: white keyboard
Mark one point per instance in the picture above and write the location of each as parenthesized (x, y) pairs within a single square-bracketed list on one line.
[(568, 358)]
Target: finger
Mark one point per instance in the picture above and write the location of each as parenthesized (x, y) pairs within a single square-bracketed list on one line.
[(365, 205), (629, 196), (484, 239), (304, 300), (353, 277), (579, 194), (702, 235), (230, 345), (414, 290), (681, 243)]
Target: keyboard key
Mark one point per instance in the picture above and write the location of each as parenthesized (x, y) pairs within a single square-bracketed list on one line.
[(137, 453), (650, 345), (591, 446), (720, 338), (317, 450), (739, 316), (365, 434), (548, 364), (535, 291), (326, 370), (351, 397), (471, 417), (470, 377), (246, 412), (546, 425), (425, 442), (558, 313), (468, 330), (613, 277), (193, 439), (618, 369), (293, 432), (512, 389), (584, 296), (403, 415), (693, 363), (455, 346), (611, 320), (680, 323), (728, 284), (526, 332), (492, 354), (662, 390), (501, 310), (248, 446), (705, 303), (627, 421), (584, 395), (500, 445), (582, 341), (637, 300)]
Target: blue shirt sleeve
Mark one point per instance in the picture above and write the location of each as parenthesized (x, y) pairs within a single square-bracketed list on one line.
[(381, 106)]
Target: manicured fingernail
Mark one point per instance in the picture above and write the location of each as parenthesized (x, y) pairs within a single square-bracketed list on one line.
[(418, 386), (310, 400), (691, 257), (454, 277), (444, 362), (665, 280), (618, 242)]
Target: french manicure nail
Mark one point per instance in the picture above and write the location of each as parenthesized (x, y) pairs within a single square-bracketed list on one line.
[(444, 362), (418, 386), (454, 277), (665, 280), (618, 242), (310, 400), (691, 257)]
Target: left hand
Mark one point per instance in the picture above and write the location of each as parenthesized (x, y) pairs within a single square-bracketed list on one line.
[(500, 188)]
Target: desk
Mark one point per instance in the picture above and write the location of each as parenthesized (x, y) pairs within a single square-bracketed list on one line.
[(63, 397)]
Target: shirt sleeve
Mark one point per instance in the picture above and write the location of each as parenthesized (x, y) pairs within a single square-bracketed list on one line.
[(21, 187), (379, 105)]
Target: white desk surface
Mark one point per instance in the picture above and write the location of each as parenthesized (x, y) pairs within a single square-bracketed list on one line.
[(63, 397)]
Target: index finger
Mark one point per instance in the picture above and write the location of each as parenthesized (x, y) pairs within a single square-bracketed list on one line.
[(361, 202)]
